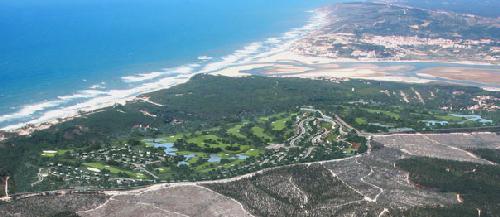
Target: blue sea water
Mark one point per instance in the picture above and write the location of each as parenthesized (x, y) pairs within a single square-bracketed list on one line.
[(55, 48)]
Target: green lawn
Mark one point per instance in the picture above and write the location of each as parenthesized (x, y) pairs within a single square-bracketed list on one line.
[(259, 132), (254, 152), (163, 170), (199, 140), (173, 138), (361, 121), (235, 131), (104, 166), (49, 155), (114, 170), (388, 113), (280, 124), (58, 152), (449, 118)]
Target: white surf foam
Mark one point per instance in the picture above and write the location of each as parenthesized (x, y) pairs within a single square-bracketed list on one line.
[(141, 77), (204, 58), (28, 110), (110, 98), (184, 69), (82, 94)]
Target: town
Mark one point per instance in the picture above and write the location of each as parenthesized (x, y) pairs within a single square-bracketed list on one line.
[(397, 48)]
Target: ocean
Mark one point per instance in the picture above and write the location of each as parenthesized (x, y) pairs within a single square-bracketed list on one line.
[(59, 56)]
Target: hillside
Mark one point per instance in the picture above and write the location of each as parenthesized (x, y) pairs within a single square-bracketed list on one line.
[(372, 31)]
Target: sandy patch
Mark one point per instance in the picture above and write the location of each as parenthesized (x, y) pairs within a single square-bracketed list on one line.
[(464, 74), (281, 68), (240, 71)]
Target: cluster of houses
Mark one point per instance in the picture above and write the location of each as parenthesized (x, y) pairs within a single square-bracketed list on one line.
[(488, 103), (124, 157), (393, 47)]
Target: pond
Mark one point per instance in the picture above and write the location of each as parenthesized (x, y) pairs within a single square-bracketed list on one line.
[(214, 158), (476, 118), (168, 148), (187, 157), (241, 156)]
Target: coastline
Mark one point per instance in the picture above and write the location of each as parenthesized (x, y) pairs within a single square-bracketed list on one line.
[(273, 55), (150, 82)]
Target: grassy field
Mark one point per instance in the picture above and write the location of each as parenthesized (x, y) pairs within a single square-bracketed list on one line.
[(114, 170), (235, 131), (361, 121), (387, 113), (260, 132), (449, 118), (254, 152), (58, 152), (280, 124)]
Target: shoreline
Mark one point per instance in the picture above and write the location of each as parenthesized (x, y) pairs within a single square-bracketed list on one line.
[(52, 112), (25, 129), (240, 63)]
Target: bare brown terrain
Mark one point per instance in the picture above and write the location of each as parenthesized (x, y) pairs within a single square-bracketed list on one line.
[(442, 146), (175, 200)]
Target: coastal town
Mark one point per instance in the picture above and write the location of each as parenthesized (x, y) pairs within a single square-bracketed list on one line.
[(415, 35), (397, 48)]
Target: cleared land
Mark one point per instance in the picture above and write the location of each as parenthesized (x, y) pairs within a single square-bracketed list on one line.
[(183, 200), (52, 205), (443, 146)]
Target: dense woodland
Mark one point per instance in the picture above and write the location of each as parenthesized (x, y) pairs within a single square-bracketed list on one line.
[(492, 155), (477, 184)]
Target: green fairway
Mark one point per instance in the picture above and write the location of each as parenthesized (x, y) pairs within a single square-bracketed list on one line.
[(280, 124), (449, 118), (387, 113), (361, 121), (104, 166), (57, 152), (114, 170), (254, 152), (50, 155), (260, 132), (235, 131)]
